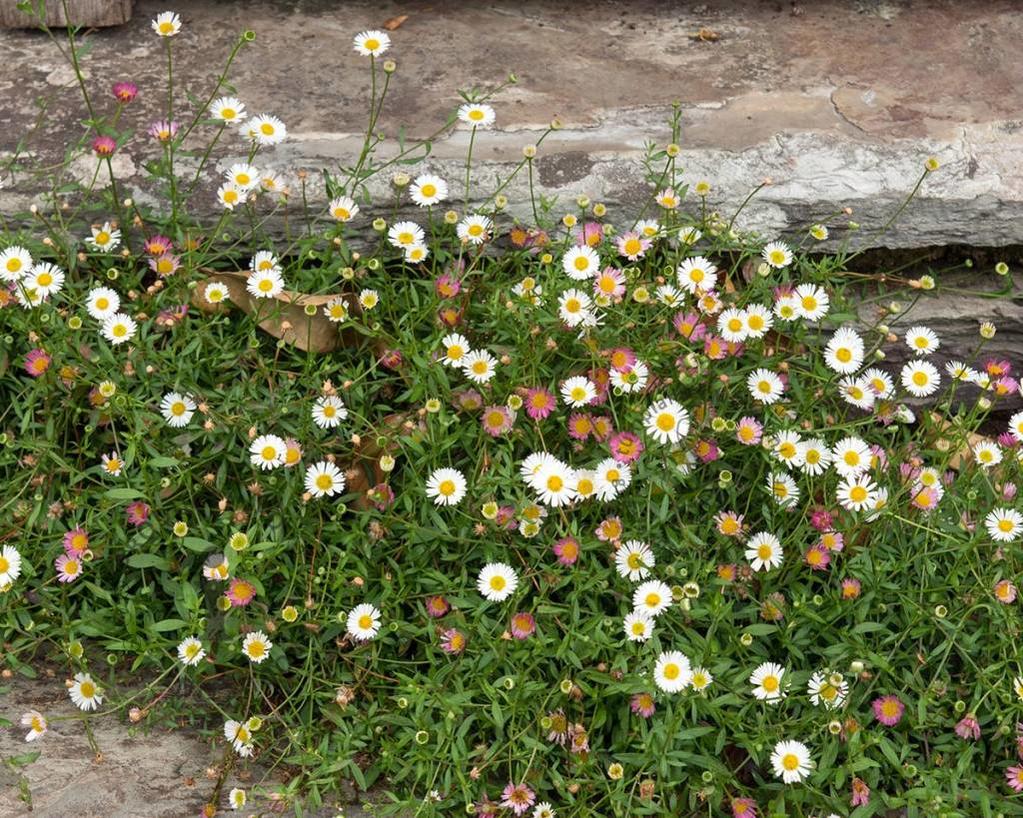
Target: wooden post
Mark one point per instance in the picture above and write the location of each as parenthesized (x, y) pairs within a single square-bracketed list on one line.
[(86, 13)]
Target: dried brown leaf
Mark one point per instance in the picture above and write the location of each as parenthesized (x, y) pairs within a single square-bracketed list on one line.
[(395, 22)]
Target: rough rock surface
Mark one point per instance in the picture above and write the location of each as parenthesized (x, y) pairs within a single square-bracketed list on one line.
[(838, 102), (154, 772)]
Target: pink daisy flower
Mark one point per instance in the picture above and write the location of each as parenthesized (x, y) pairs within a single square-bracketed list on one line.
[(590, 234), (622, 359), (626, 447), (381, 496), (888, 710), (240, 592), (138, 513), (643, 704), (744, 808), (437, 606), (860, 792), (539, 403), (76, 542), (715, 347), (610, 282), (567, 550), (125, 91), (1014, 778), (851, 588), (163, 130), (821, 518), (69, 568), (749, 431), (518, 798), (453, 641), (1005, 592), (497, 420), (165, 264), (103, 146), (37, 362), (523, 625), (610, 529), (689, 325), (818, 558), (632, 245), (706, 450), (603, 428), (157, 245), (580, 426), (968, 728), (447, 286)]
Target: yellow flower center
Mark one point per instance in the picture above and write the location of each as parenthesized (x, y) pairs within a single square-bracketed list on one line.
[(858, 494), (166, 27), (475, 230), (102, 237), (324, 482), (365, 622), (844, 355), (809, 303), (665, 421), (735, 324), (671, 671), (45, 279), (428, 190), (256, 649), (476, 114), (372, 44), (764, 551), (102, 303), (555, 483), (5, 565), (497, 582), (770, 683), (920, 378), (632, 246), (243, 178), (87, 689), (178, 408), (652, 600), (790, 762), (13, 265), (267, 129), (228, 113), (269, 453), (446, 488)]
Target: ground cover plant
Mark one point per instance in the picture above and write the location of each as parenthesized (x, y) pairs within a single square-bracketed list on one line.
[(583, 514)]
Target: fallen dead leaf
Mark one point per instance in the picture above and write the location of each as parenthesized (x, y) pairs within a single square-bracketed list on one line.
[(288, 319), (705, 35), (395, 22)]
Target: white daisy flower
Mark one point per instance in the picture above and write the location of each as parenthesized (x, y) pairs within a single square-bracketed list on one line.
[(112, 464), (857, 392), (827, 689), (689, 235), (666, 421), (244, 175), (611, 478), (102, 302), (786, 307), (190, 651), (166, 24), (851, 456), (343, 208), (672, 671), (987, 454), (10, 565), (811, 302), (633, 379), (474, 229), (227, 109), (764, 551), (697, 274), (791, 761), (574, 307), (256, 646), (766, 681), (456, 347), (336, 309), (368, 299), (216, 292), (1016, 426), (758, 320), (479, 366), (240, 737), (732, 326), (634, 559), (497, 581), (555, 484), (177, 409), (638, 626), (265, 284), (45, 278), (405, 234), (702, 679), (652, 597), (103, 239), (267, 452), (1004, 524), (786, 447), (815, 456), (648, 228), (371, 43), (363, 622), (237, 798), (446, 487), (36, 724), (265, 129), (85, 693), (856, 492), (581, 262), (922, 340), (765, 386), (777, 254), (783, 488), (844, 351), (478, 115), (415, 253), (578, 391), (670, 295), (324, 479), (920, 378), (329, 411), (15, 262), (427, 190), (119, 328), (231, 196), (880, 382)]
